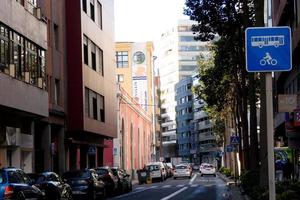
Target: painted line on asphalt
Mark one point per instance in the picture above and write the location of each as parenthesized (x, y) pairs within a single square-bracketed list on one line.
[(134, 192), (192, 180), (179, 185), (194, 185), (174, 194), (166, 186), (139, 188)]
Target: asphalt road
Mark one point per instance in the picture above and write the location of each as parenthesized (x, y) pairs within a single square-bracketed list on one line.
[(200, 188)]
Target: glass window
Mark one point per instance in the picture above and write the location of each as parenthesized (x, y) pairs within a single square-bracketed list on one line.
[(102, 109), (84, 6), (92, 10), (99, 13), (56, 36), (4, 47), (122, 59), (101, 67), (93, 56), (87, 107), (85, 50), (120, 78)]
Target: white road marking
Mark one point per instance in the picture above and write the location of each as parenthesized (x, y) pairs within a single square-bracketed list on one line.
[(192, 180), (174, 194), (194, 185), (166, 186), (179, 185), (139, 188), (131, 193), (154, 186)]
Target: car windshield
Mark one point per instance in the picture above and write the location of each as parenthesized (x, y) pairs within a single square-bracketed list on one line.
[(76, 174), (181, 167), (153, 167), (102, 171), (208, 166)]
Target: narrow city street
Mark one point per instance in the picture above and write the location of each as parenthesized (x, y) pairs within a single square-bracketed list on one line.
[(206, 188)]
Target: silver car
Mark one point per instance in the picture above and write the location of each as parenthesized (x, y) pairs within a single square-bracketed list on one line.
[(182, 170)]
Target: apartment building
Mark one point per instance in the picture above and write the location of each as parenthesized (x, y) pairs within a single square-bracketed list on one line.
[(195, 138), (23, 88), (91, 84), (177, 59), (287, 129)]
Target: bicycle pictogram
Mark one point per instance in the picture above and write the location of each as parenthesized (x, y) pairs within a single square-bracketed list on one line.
[(268, 60)]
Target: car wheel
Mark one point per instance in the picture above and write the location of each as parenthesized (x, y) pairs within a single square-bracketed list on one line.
[(215, 175), (174, 178), (104, 194), (190, 177)]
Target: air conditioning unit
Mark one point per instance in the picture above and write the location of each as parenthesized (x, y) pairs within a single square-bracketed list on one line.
[(13, 136), (12, 70)]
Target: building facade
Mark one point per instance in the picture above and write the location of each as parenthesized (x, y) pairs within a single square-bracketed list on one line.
[(195, 137), (24, 98), (184, 116), (287, 130), (135, 75), (92, 102), (132, 148), (177, 59)]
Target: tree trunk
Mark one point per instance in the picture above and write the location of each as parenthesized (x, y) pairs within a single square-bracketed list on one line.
[(254, 154)]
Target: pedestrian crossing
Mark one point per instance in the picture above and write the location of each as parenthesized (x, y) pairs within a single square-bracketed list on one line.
[(172, 186)]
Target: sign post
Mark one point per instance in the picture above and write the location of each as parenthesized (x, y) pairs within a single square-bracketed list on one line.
[(268, 49)]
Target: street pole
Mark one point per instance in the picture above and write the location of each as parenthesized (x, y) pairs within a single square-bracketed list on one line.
[(269, 109)]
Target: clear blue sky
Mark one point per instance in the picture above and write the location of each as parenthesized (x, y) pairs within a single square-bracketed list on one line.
[(145, 20)]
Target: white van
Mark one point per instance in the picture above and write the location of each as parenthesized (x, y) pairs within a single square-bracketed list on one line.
[(157, 171)]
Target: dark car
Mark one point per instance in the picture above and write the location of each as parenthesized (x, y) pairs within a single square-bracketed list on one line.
[(110, 180), (52, 185), (85, 184), (124, 180), (15, 184)]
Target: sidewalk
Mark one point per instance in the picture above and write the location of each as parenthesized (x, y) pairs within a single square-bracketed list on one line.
[(235, 191)]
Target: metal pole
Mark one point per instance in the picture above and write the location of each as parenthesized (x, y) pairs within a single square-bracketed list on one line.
[(270, 126)]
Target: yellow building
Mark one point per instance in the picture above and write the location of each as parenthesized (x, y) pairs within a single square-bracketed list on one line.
[(134, 64)]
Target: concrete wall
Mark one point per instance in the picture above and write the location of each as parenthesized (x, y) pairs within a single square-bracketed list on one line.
[(15, 16), (22, 96)]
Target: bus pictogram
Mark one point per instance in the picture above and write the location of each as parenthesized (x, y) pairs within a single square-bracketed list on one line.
[(264, 41)]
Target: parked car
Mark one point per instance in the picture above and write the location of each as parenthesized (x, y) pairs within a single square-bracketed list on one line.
[(52, 185), (85, 184), (208, 169), (124, 181), (196, 167), (157, 171), (108, 177), (182, 170), (15, 184)]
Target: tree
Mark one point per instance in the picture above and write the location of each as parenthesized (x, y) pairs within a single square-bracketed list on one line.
[(226, 82)]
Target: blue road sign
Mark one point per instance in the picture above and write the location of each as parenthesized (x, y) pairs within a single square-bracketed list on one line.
[(268, 49), (229, 148), (234, 140)]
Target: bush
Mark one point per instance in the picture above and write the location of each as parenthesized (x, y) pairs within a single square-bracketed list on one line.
[(249, 182)]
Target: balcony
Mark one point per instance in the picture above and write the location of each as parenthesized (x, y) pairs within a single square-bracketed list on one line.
[(168, 123), (200, 115), (168, 133), (184, 140), (187, 116), (25, 19), (183, 129)]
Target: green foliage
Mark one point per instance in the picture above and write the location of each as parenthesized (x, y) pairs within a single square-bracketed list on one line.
[(288, 190), (225, 171), (249, 179)]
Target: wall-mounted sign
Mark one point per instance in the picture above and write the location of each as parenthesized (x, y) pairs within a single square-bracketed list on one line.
[(287, 102)]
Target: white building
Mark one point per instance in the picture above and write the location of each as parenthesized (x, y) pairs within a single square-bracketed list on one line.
[(177, 59)]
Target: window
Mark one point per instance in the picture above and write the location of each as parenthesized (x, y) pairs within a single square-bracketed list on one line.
[(101, 69), (85, 50), (122, 59), (84, 6), (186, 38), (57, 92), (93, 56), (95, 108), (4, 47), (92, 10), (120, 78), (94, 105), (99, 13), (102, 113), (56, 36)]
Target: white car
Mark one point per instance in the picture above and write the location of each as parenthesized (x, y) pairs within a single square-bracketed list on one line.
[(182, 170), (208, 169), (157, 171)]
